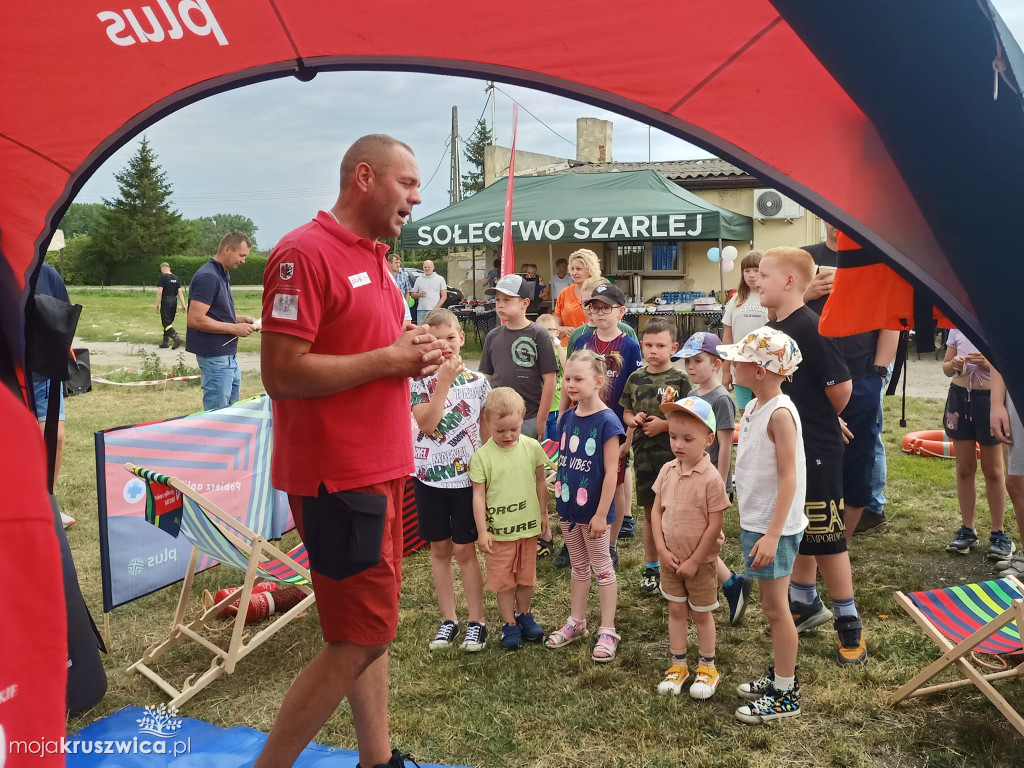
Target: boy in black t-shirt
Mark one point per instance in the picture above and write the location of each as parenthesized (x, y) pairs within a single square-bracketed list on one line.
[(820, 389), (169, 294)]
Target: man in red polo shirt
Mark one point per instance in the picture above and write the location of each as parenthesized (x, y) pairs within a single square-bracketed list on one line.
[(336, 359)]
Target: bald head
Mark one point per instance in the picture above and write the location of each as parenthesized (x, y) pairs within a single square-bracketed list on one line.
[(375, 150)]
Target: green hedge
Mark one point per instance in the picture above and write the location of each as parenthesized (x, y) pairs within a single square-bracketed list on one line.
[(146, 271)]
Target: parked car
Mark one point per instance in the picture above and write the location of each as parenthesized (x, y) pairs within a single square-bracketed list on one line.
[(455, 296)]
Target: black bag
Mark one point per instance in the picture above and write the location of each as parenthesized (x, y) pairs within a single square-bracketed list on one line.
[(50, 333), (343, 531)]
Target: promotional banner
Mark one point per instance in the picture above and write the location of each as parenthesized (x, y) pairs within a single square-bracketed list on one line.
[(222, 454)]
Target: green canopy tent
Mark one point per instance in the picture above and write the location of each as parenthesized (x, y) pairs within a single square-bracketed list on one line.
[(583, 207)]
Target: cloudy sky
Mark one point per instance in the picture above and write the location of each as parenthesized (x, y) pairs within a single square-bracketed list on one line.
[(271, 151)]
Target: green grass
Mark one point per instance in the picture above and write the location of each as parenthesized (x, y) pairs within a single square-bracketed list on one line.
[(547, 708), (132, 317)]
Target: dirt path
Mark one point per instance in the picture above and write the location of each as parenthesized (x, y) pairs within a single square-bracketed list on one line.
[(925, 377)]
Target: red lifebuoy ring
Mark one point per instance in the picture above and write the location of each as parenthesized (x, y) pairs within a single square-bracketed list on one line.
[(931, 442)]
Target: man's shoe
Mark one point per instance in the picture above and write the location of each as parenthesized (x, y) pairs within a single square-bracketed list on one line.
[(771, 706), (532, 631), (675, 678), (999, 546), (511, 637), (614, 552), (177, 342), (446, 634), (650, 582), (66, 520), (962, 541), (476, 637), (852, 649), (807, 616), (706, 682), (869, 521), (165, 345), (561, 560), (628, 529), (737, 596)]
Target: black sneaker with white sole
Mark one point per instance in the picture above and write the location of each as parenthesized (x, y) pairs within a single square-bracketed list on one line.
[(446, 634), (999, 546), (809, 615), (737, 596), (476, 637), (963, 540), (650, 582)]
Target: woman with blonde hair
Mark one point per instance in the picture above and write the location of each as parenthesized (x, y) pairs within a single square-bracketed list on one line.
[(583, 264)]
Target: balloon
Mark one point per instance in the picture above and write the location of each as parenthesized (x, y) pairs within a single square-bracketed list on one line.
[(714, 254), (729, 253), (727, 266)]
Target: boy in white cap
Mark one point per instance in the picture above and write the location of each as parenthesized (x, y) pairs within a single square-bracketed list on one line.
[(771, 482), (686, 521), (518, 354)]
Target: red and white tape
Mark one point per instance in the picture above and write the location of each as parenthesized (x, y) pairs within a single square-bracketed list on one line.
[(100, 380)]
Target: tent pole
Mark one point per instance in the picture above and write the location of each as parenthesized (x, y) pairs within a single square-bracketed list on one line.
[(721, 274), (551, 261), (473, 257)]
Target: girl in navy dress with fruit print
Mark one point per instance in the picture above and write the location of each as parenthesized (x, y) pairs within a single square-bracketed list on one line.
[(588, 457)]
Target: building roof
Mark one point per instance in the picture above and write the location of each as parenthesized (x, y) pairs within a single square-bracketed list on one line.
[(707, 168)]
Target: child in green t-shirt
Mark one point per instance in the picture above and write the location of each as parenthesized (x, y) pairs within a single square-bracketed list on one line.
[(648, 427), (510, 499)]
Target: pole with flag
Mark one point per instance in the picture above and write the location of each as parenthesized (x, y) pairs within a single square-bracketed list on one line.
[(508, 259)]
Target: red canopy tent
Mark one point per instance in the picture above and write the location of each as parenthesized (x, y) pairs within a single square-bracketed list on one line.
[(852, 109)]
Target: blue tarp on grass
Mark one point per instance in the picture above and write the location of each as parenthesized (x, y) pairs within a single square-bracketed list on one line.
[(118, 741)]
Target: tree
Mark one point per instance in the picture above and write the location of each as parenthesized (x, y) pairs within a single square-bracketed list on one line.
[(139, 222), (479, 139), (81, 219), (208, 231)]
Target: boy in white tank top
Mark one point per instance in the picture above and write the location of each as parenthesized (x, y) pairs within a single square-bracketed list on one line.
[(770, 484)]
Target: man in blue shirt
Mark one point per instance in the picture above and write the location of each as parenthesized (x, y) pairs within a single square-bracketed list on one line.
[(213, 329)]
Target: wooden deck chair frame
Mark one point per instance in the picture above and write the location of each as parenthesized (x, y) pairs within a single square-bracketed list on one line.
[(959, 653), (255, 549)]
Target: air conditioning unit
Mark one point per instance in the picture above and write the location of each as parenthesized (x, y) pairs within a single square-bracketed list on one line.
[(769, 204)]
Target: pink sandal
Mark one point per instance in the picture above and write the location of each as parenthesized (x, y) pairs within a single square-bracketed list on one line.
[(569, 633), (607, 643)]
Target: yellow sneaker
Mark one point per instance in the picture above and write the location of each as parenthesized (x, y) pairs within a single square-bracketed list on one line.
[(852, 648), (705, 682), (675, 678)]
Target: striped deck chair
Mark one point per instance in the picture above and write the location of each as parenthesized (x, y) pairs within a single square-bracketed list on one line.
[(986, 618), (217, 534)]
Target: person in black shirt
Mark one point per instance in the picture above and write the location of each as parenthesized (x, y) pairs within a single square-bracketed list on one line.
[(820, 389), (169, 295), (868, 356)]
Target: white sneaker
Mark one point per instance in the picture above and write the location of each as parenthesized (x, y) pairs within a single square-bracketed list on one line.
[(68, 520)]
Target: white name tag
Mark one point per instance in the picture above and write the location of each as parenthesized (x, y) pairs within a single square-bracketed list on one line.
[(357, 280)]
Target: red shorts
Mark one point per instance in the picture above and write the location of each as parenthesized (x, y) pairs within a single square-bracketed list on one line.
[(363, 608)]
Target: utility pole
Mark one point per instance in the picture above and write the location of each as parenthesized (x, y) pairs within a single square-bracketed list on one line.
[(494, 128), (455, 190)]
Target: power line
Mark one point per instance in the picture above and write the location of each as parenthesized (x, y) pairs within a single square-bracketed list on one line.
[(573, 143), (443, 155)]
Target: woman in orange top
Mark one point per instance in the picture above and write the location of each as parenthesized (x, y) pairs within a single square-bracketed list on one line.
[(583, 264)]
